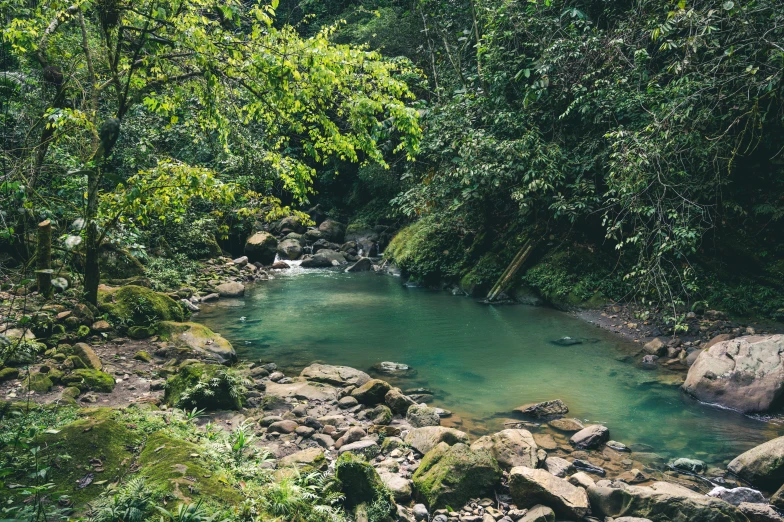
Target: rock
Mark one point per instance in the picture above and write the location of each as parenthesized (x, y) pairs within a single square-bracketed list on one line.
[(392, 368), (197, 338), (590, 437), (231, 289), (290, 249), (777, 499), (530, 487), (421, 415), (367, 448), (333, 230), (567, 425), (690, 465), (363, 265), (617, 446), (101, 326), (290, 224), (89, 379), (510, 448), (276, 376), (736, 496), (744, 374), (9, 374), (118, 263), (544, 409), (633, 476), (261, 247), (558, 466), (186, 389), (335, 375), (427, 438), (397, 401), (325, 441), (761, 466), (545, 441), (656, 347), (324, 259), (283, 426), (660, 501), (649, 360), (380, 415), (539, 514), (582, 479), (759, 512), (361, 484), (87, 355), (347, 402), (309, 459), (372, 392), (400, 487), (420, 512), (451, 475), (137, 306), (240, 261), (584, 465), (38, 382), (142, 356), (280, 265), (305, 432)]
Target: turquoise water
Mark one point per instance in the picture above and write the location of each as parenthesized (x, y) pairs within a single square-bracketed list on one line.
[(480, 361)]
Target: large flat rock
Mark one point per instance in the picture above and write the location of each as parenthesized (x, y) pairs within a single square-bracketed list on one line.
[(335, 375), (303, 390)]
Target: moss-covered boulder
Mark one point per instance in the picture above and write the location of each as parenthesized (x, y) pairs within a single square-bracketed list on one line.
[(88, 356), (179, 467), (451, 475), (138, 306), (194, 337), (38, 382), (89, 379), (207, 386), (362, 485), (8, 374), (261, 247)]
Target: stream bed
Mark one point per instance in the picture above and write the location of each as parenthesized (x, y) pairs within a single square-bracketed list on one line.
[(480, 361)]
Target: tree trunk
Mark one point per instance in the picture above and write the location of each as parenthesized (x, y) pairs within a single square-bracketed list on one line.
[(92, 273), (44, 258)]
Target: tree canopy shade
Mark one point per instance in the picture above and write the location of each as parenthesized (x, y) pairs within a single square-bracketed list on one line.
[(220, 71)]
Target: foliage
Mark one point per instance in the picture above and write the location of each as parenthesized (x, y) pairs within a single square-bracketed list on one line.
[(170, 272)]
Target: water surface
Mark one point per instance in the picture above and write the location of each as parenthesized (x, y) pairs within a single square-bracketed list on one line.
[(481, 361)]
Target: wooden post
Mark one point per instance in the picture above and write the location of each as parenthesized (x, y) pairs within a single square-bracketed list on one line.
[(43, 260)]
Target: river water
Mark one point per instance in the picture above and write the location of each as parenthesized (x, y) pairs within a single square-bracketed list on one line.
[(480, 361)]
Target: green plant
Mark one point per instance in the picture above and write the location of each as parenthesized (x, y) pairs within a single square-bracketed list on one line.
[(188, 513), (133, 501)]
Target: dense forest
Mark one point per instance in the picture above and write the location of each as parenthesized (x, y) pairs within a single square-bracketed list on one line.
[(623, 157)]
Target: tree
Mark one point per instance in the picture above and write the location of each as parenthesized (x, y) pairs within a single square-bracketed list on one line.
[(216, 68)]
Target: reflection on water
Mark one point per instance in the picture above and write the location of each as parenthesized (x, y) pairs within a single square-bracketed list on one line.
[(480, 361)]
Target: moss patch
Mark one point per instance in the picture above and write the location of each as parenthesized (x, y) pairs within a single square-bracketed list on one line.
[(361, 484), (87, 379), (138, 306)]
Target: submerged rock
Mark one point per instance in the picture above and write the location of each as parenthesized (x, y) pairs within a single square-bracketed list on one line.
[(567, 341), (567, 425), (690, 465), (745, 374), (393, 368), (544, 409)]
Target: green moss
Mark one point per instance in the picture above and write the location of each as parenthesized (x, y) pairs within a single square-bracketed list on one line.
[(208, 386), (361, 484), (451, 475), (138, 306), (179, 466), (197, 337), (142, 356), (7, 374), (38, 382), (82, 332), (87, 379)]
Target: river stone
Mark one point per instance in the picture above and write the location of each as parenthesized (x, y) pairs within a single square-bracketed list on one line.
[(558, 466), (761, 466), (530, 487), (363, 265), (427, 438), (397, 401), (283, 426), (289, 249), (544, 409), (335, 375), (690, 465), (656, 347), (590, 437), (372, 392), (333, 230), (511, 447), (737, 496), (347, 402), (261, 247), (744, 374), (420, 415), (759, 512), (567, 425), (451, 475), (302, 390), (539, 514), (231, 289), (367, 448), (324, 259), (400, 487), (661, 501), (87, 355), (581, 479), (198, 339), (310, 459)]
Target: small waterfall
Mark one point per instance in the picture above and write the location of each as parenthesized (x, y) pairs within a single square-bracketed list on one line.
[(308, 249), (361, 252), (277, 258)]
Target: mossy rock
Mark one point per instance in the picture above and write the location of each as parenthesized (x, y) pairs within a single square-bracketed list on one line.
[(87, 379), (199, 385), (138, 306), (179, 466), (38, 382), (8, 374), (24, 352), (451, 475), (118, 263), (142, 356), (141, 332), (197, 338), (97, 436), (361, 484)]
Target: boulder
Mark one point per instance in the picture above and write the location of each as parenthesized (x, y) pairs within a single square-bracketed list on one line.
[(400, 487), (567, 425), (744, 374), (690, 465), (544, 409), (261, 247), (761, 466), (309, 459), (137, 306), (324, 259), (661, 501), (231, 289), (290, 249), (197, 340), (393, 368), (361, 484), (451, 475), (427, 438), (398, 402), (118, 263), (89, 379), (372, 392), (510, 448), (333, 230), (655, 347), (207, 386), (363, 265), (421, 415), (539, 514), (737, 496), (530, 487), (88, 356), (290, 224), (558, 466), (759, 512), (590, 437), (335, 375), (366, 448)]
